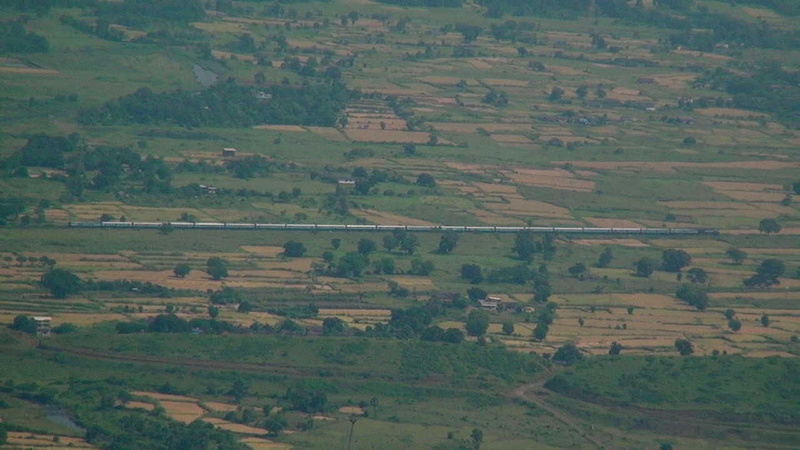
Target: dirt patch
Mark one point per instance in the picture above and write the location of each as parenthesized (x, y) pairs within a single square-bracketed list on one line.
[(219, 54), (505, 82), (355, 410), (28, 70)]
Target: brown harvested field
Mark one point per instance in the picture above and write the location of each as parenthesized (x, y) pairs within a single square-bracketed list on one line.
[(264, 444), (456, 127), (674, 81), (744, 196), (553, 180), (400, 137), (496, 188), (183, 411), (235, 427), (705, 205), (534, 208), (619, 242), (219, 27), (289, 128), (603, 222), (385, 218), (165, 397), (26, 440), (57, 215), (263, 250), (563, 70), (377, 124), (478, 63), (742, 186), (568, 139), (510, 139)]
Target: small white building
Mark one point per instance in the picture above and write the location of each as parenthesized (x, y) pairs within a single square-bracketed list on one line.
[(43, 325), (228, 152)]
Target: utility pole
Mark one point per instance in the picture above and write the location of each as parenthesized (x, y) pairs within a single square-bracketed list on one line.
[(353, 420)]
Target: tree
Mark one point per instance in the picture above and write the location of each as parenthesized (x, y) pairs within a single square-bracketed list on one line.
[(476, 293), (351, 264), (693, 295), (61, 282), (422, 268), (453, 336), (735, 325), (540, 332), (332, 326), (605, 258), (542, 291), (336, 243), (477, 437), (764, 320), (578, 270), (769, 226), (616, 348), (294, 249), (524, 245), (581, 92), (181, 270), (390, 243), (472, 273), (426, 180), (447, 243), (568, 354), (508, 328), (736, 255), (697, 275), (25, 324), (674, 260), (213, 311), (216, 268), (645, 267), (366, 246), (767, 273), (477, 323), (684, 347)]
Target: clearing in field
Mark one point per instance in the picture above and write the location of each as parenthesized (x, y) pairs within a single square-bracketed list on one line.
[(264, 444), (535, 208), (510, 139), (619, 242), (288, 128), (603, 222), (262, 250)]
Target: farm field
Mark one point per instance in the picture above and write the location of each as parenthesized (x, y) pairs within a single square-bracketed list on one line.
[(603, 114)]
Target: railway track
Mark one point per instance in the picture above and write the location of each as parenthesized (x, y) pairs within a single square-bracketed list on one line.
[(391, 228)]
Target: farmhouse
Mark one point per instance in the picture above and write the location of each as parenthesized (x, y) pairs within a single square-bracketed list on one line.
[(228, 152), (343, 186), (488, 305), (43, 325)]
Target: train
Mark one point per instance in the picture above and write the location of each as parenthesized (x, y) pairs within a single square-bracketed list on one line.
[(390, 228)]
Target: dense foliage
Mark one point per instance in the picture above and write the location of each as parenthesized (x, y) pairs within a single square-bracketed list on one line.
[(764, 389), (770, 88), (15, 39), (226, 104)]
